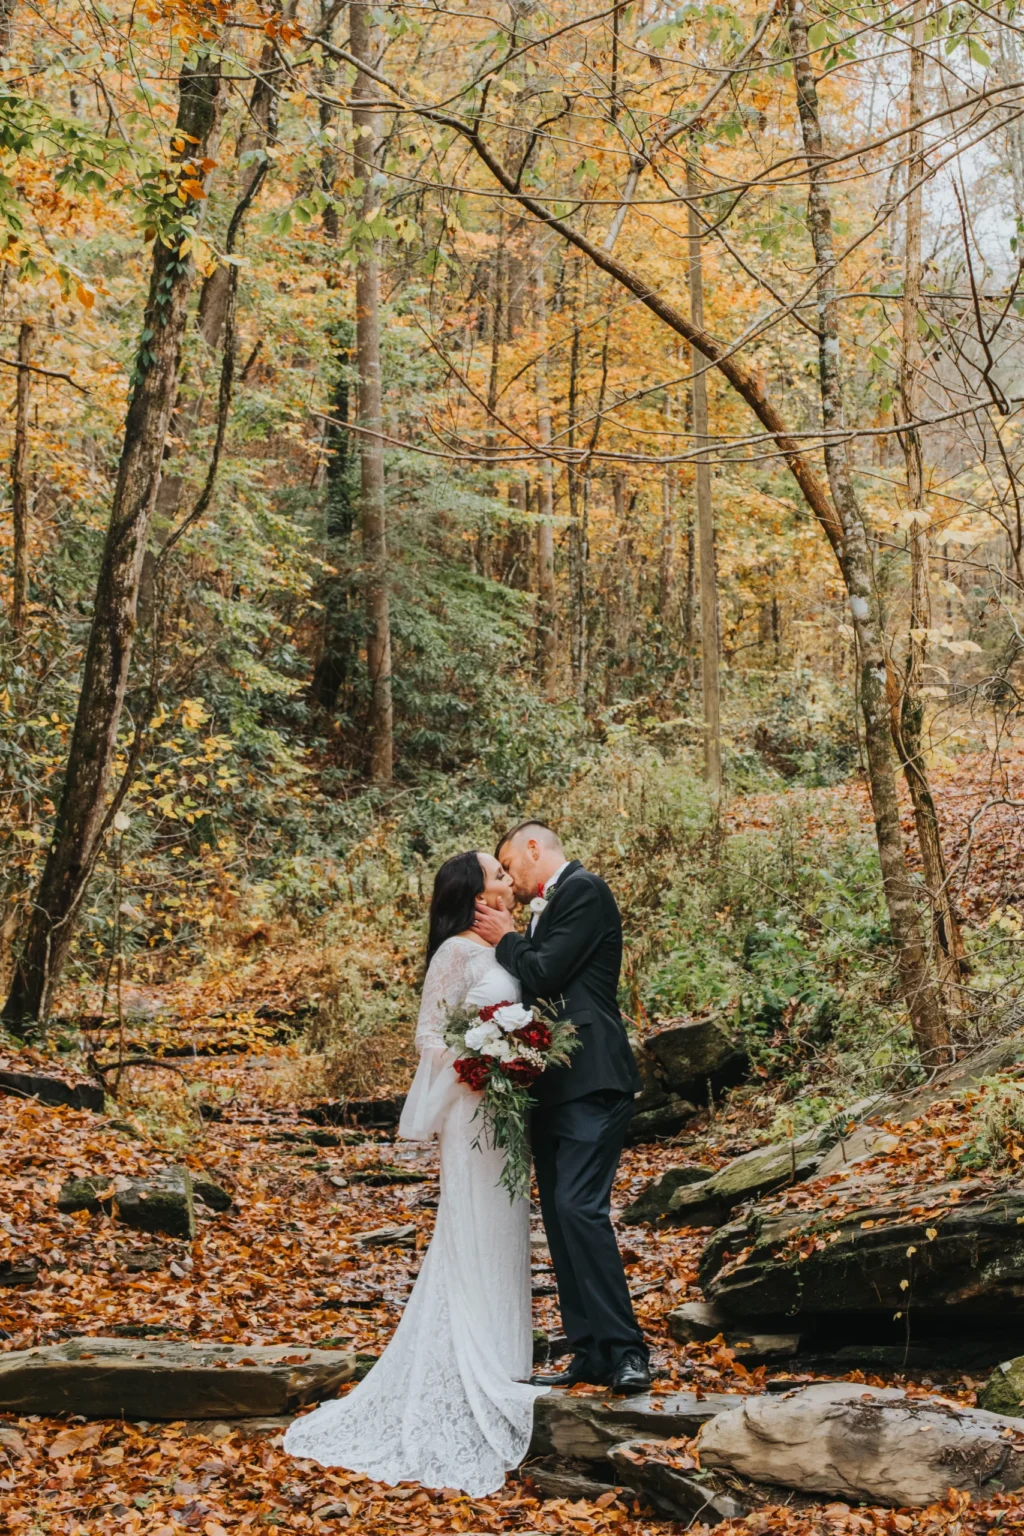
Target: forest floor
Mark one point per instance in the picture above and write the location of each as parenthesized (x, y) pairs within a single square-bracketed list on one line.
[(282, 1267)]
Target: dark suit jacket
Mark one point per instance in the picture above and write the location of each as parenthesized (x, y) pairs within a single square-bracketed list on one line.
[(571, 964)]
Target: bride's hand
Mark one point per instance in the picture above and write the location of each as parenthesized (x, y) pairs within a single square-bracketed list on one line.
[(491, 925)]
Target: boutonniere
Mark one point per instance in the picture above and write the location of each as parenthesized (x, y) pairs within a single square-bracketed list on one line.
[(537, 905)]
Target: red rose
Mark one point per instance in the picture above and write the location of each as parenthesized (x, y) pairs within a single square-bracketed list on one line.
[(536, 1035), (487, 1014), (522, 1072), (473, 1071), (540, 887)]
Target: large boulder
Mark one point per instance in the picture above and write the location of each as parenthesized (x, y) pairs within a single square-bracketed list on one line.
[(957, 1251), (164, 1202), (133, 1378), (696, 1058), (870, 1444), (653, 1200)]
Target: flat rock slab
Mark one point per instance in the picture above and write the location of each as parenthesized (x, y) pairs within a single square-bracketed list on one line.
[(52, 1090), (746, 1178), (696, 1322), (967, 1260), (375, 1114), (144, 1379), (583, 1426), (866, 1444), (387, 1237)]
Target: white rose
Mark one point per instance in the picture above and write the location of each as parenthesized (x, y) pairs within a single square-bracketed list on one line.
[(513, 1016), (480, 1035), (499, 1049)]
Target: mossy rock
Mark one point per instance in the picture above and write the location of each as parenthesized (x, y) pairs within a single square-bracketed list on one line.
[(1004, 1390), (947, 1255), (654, 1199), (164, 1202)]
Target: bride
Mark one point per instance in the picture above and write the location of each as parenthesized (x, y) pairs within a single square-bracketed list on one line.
[(448, 1403)]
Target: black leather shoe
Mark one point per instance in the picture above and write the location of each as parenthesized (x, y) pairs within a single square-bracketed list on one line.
[(631, 1375), (577, 1370)]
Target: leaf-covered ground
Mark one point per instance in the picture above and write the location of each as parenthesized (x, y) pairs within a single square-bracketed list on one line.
[(285, 1265)]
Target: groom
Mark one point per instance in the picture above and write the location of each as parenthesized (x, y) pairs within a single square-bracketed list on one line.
[(569, 961)]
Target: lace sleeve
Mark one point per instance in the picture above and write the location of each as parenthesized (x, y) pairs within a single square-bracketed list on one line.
[(446, 983)]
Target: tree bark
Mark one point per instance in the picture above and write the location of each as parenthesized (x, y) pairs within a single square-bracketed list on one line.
[(908, 713), (81, 820), (709, 660), (334, 669), (578, 532), (6, 25), (257, 132), (366, 156), (19, 482), (547, 633), (485, 538), (917, 982), (667, 541)]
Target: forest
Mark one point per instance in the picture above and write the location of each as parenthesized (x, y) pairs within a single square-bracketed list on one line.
[(419, 417)]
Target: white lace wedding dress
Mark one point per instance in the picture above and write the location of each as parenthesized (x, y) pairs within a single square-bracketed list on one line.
[(448, 1404)]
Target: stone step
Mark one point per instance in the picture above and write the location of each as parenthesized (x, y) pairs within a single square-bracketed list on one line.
[(671, 1491), (106, 1378), (52, 1090), (583, 1426)]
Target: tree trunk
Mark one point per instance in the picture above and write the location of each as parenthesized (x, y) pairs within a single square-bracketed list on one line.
[(690, 608), (667, 544), (216, 299), (908, 713), (917, 982), (329, 10), (258, 129), (81, 819), (6, 25), (333, 671), (366, 155), (547, 633), (19, 483), (709, 668), (578, 516), (485, 537)]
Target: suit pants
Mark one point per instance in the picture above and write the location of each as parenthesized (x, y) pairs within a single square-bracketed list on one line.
[(576, 1151)]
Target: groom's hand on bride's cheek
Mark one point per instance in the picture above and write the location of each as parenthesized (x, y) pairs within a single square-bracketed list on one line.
[(491, 925)]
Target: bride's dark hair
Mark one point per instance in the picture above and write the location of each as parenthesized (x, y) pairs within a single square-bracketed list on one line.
[(457, 884)]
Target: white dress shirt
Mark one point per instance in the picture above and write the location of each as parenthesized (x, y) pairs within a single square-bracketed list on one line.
[(548, 886)]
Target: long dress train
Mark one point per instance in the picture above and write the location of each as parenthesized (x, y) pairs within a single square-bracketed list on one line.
[(448, 1403)]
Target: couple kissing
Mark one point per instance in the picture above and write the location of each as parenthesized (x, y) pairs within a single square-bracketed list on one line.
[(449, 1404)]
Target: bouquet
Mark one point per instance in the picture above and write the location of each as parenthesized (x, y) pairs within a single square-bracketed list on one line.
[(502, 1050)]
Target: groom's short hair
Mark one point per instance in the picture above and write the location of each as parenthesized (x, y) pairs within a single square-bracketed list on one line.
[(545, 835)]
